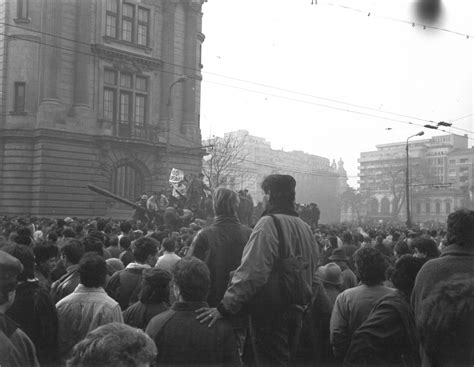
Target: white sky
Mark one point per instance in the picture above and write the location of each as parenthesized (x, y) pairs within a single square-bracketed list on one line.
[(331, 52)]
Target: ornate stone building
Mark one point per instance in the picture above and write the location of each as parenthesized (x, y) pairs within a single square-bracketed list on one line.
[(103, 92)]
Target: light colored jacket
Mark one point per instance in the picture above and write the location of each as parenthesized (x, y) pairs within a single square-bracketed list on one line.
[(83, 311), (261, 253)]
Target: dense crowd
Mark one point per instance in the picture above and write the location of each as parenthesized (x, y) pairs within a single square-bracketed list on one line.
[(211, 290)]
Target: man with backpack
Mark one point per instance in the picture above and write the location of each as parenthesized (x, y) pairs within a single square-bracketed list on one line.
[(276, 279)]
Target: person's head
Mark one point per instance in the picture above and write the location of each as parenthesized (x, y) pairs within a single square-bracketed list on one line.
[(400, 249), (72, 252), (125, 243), (145, 250), (191, 279), (45, 256), (10, 269), (92, 270), (404, 274), (114, 345), (425, 247), (226, 202), (280, 190), (446, 322), (370, 266), (125, 227), (68, 233), (155, 286), (113, 265), (460, 228), (169, 244), (93, 244), (347, 237), (331, 274), (339, 258), (27, 259)]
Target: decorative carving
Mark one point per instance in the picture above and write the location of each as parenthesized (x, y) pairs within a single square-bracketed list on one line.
[(125, 60)]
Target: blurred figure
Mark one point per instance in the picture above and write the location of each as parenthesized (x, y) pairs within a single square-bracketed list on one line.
[(16, 348), (446, 323), (88, 306), (331, 277), (388, 337), (180, 338), (349, 280), (354, 305), (425, 248), (114, 345), (45, 258), (154, 298), (169, 257)]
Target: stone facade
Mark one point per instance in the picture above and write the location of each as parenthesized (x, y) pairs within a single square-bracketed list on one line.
[(317, 181), (440, 178), (103, 92)]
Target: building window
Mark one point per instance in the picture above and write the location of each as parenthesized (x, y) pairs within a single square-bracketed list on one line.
[(463, 160), (143, 26), (418, 208), (22, 9), (125, 99), (438, 208), (19, 97), (448, 207), (428, 207), (127, 182), (127, 22), (111, 15)]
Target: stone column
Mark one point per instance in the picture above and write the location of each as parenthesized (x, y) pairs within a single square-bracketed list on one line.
[(82, 62), (189, 124), (169, 9)]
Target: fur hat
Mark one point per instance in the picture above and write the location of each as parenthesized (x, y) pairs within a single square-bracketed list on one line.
[(330, 274), (338, 254)]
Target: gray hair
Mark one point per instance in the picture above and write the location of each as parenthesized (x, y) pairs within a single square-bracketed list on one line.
[(225, 201)]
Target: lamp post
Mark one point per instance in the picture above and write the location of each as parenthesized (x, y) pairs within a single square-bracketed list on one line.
[(407, 179), (169, 117)]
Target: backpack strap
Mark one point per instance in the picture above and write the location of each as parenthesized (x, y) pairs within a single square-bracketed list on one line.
[(158, 327)]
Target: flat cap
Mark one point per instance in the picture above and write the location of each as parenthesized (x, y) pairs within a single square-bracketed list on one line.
[(10, 268)]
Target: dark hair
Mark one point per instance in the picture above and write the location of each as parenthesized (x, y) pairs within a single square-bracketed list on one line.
[(125, 227), (192, 277), (44, 252), (27, 259), (461, 228), (446, 320), (155, 286), (52, 236), (426, 246), (125, 242), (23, 240), (93, 244), (101, 223), (401, 248), (73, 250), (169, 244), (114, 345), (347, 237), (370, 265), (114, 241), (98, 235), (144, 247), (281, 189), (69, 233), (24, 232), (92, 270), (225, 201), (404, 274)]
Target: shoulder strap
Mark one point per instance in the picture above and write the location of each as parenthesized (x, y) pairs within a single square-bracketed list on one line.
[(158, 327), (281, 239)]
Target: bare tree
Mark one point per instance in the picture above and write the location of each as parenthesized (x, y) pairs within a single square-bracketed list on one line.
[(356, 201), (223, 164)]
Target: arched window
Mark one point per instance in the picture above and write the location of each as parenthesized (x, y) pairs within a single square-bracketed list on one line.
[(438, 207), (385, 206), (448, 207), (428, 207), (374, 206), (127, 182)]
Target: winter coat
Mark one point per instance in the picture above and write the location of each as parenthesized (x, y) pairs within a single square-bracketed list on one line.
[(388, 337), (35, 313), (220, 246), (65, 285), (139, 314)]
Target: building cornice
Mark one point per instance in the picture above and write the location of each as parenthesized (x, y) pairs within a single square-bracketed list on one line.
[(125, 59)]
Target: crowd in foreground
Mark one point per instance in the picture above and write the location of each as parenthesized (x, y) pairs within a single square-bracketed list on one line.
[(124, 293)]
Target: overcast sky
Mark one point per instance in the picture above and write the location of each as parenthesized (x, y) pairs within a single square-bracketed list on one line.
[(287, 52)]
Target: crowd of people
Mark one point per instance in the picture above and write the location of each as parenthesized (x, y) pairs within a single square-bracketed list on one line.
[(215, 290)]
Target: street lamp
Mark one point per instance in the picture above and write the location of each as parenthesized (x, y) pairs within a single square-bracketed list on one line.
[(407, 179)]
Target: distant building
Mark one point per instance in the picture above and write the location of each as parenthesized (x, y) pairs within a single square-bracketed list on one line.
[(439, 182), (317, 180), (92, 92)]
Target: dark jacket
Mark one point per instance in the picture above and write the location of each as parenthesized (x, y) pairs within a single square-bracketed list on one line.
[(34, 311), (220, 246), (125, 285), (16, 349), (388, 337), (65, 285), (182, 340), (139, 314)]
